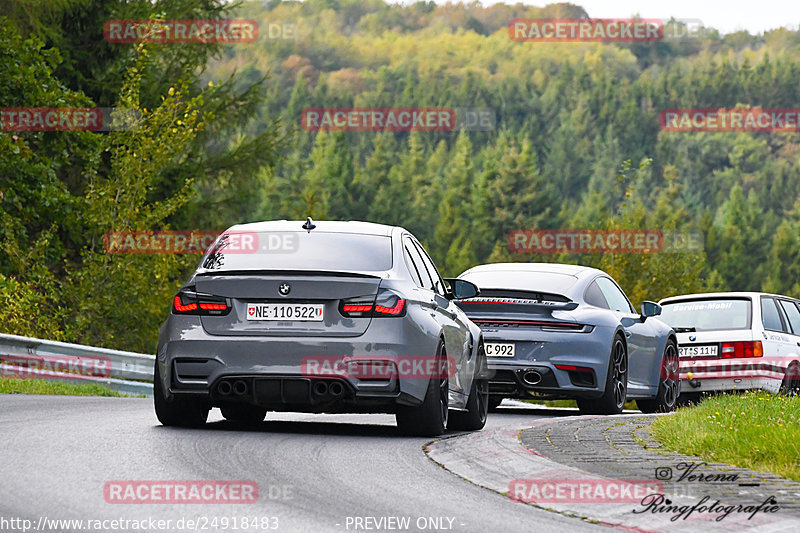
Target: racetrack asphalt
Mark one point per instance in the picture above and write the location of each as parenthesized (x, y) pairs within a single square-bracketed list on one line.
[(315, 473)]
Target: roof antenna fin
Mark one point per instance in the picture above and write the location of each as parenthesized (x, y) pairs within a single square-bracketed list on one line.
[(309, 225)]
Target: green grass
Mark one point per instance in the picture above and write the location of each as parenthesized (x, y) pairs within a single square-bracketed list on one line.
[(755, 430), (39, 386)]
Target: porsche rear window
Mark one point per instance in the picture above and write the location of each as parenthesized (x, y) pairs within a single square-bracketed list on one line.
[(546, 282), (708, 314)]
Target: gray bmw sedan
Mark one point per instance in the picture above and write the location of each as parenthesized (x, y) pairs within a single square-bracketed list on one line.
[(321, 317)]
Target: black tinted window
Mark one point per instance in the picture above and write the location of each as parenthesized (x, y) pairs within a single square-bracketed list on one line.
[(413, 267), (299, 250), (792, 314), (594, 296), (416, 258), (438, 283), (770, 316), (615, 298)]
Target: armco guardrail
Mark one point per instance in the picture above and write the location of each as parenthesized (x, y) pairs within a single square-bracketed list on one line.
[(127, 372)]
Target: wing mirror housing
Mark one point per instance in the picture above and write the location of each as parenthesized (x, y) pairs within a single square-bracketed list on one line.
[(461, 289), (649, 309)]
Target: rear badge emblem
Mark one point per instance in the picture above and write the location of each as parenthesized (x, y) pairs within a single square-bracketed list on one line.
[(284, 289), (692, 338)]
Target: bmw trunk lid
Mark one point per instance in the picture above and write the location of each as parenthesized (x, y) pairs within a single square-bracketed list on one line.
[(300, 282), (288, 304)]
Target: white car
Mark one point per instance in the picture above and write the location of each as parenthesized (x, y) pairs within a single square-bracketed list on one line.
[(736, 341)]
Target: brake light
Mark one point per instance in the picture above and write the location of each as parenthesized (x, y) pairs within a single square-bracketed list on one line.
[(213, 307), (191, 303), (574, 368), (742, 349), (357, 308), (179, 307), (394, 311), (386, 303)]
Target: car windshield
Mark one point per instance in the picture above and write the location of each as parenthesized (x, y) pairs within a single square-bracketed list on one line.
[(708, 314), (299, 250)]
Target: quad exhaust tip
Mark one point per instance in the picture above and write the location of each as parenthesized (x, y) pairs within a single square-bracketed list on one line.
[(531, 377), (224, 388), (320, 388), (336, 389), (239, 387)]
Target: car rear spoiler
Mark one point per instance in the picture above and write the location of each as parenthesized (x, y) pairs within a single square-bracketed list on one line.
[(541, 304)]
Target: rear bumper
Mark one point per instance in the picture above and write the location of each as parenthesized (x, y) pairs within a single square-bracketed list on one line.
[(277, 371), (713, 375), (544, 380), (540, 352)]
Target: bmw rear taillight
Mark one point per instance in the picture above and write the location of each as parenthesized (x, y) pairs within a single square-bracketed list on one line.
[(385, 304), (192, 303), (742, 349)]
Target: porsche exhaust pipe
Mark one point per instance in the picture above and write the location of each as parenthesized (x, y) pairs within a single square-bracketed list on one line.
[(531, 377)]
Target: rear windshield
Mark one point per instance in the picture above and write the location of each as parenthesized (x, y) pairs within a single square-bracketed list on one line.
[(299, 250), (545, 282), (708, 314)]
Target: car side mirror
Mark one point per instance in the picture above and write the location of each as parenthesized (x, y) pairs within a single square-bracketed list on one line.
[(650, 309), (461, 289)]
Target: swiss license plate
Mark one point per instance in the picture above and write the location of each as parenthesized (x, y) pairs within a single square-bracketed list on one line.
[(285, 312), (499, 349), (697, 351)]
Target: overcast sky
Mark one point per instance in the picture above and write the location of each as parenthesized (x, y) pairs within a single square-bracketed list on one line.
[(727, 16)]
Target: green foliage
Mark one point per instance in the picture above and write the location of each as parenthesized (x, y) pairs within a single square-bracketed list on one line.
[(60, 192), (577, 145)]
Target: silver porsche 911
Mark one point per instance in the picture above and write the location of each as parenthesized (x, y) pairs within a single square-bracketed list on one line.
[(556, 331), (321, 317)]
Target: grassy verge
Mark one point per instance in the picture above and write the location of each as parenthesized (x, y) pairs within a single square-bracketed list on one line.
[(39, 386), (754, 430)]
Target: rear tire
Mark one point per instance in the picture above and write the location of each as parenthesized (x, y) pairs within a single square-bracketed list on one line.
[(791, 382), (179, 412), (494, 403), (474, 418), (250, 414), (429, 419), (615, 393), (669, 384), (687, 399)]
